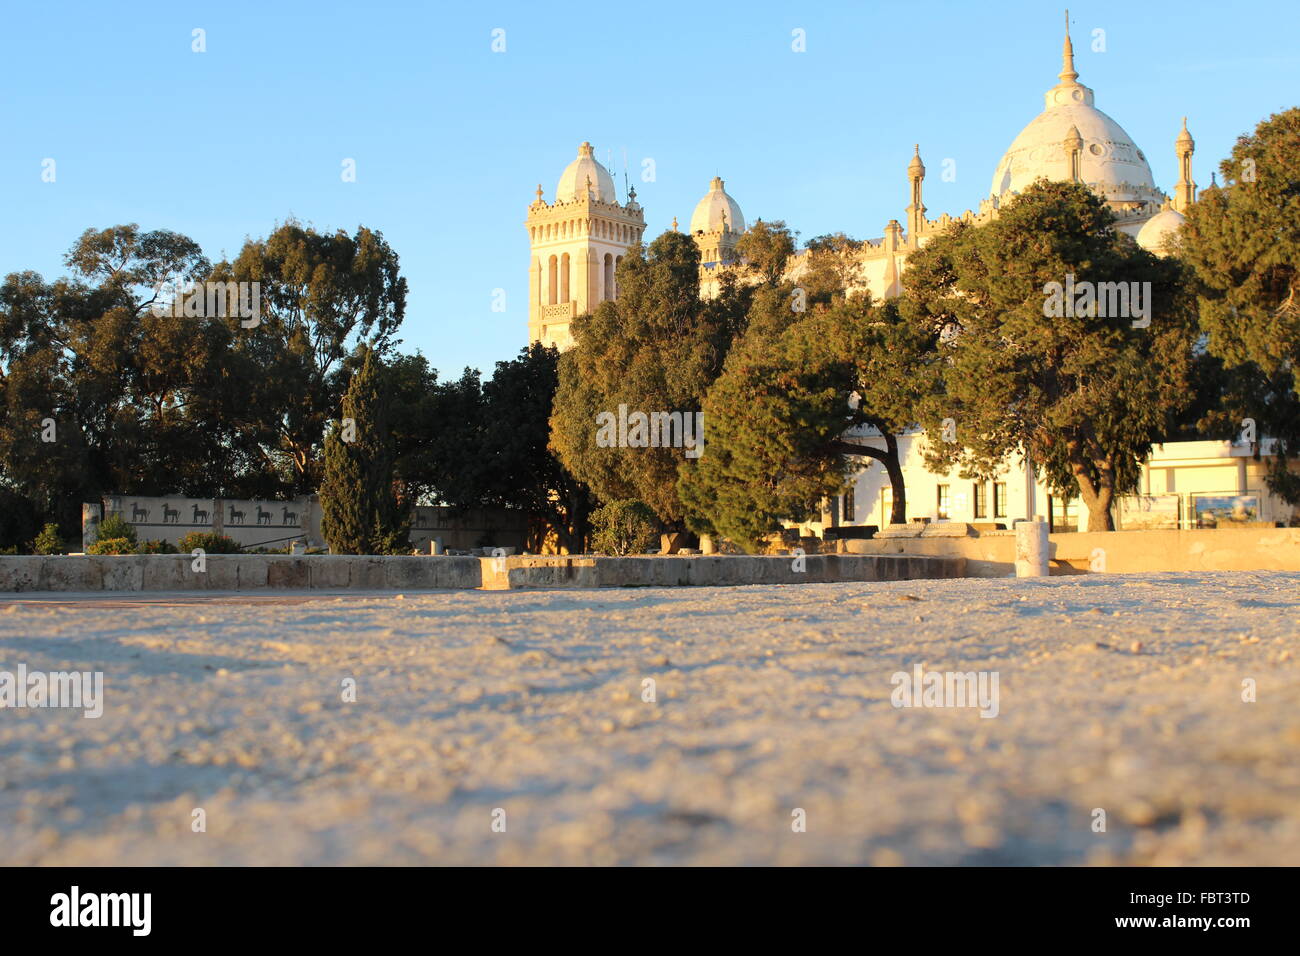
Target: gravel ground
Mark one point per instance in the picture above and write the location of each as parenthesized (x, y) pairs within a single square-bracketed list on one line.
[(1122, 694)]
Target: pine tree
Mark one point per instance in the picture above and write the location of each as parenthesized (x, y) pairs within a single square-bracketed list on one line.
[(1243, 243), (1082, 390), (360, 513)]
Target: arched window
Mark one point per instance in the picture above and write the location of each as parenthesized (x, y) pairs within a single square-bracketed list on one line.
[(564, 278), (609, 276), (551, 285)]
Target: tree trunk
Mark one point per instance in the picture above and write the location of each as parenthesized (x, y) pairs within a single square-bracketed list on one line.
[(1096, 497), (893, 467)]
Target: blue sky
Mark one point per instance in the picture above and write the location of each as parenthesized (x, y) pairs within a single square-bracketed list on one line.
[(451, 139)]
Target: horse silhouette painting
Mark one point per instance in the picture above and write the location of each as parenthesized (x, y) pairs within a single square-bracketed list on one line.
[(263, 517), (236, 517), (288, 517), (138, 513), (199, 517), (170, 515)]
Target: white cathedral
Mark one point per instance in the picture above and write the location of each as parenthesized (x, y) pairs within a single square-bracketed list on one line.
[(578, 240)]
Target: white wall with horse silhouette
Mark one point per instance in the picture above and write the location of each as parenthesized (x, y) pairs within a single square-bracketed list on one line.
[(254, 524), (277, 524)]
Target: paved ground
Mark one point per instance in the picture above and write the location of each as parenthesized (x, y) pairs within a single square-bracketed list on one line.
[(1121, 694)]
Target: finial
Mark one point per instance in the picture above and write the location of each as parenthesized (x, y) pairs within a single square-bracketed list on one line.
[(916, 168), (1068, 73), (674, 223), (539, 192)]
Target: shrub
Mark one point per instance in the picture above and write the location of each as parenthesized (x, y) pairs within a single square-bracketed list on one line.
[(210, 542), (113, 527), (112, 546), (49, 541), (155, 547), (623, 527)]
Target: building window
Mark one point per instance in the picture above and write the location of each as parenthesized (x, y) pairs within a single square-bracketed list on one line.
[(849, 508), (942, 502), (1061, 514), (999, 499), (981, 497)]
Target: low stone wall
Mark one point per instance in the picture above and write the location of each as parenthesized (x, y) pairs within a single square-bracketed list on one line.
[(587, 571), (248, 572), (993, 554), (235, 572)]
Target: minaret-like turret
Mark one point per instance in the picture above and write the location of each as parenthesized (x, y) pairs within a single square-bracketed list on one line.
[(1185, 190), (1073, 144), (916, 208)]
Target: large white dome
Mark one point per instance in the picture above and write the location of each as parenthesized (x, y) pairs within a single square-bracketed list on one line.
[(716, 210), (584, 169), (1110, 162)]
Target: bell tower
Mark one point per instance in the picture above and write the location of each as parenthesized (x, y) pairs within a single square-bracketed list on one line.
[(577, 242)]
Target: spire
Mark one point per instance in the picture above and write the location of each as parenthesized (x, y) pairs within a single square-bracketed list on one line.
[(539, 192), (1068, 73), (1069, 90), (674, 223)]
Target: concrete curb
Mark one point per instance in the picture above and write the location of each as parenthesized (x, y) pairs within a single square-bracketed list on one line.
[(236, 572), (588, 571), (255, 572)]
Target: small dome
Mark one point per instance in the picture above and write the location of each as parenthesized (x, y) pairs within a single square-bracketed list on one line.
[(717, 211), (1184, 139), (584, 169), (1160, 227)]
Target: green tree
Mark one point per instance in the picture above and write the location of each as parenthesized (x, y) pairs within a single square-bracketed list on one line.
[(94, 395), (793, 414), (360, 512), (49, 541), (321, 296), (654, 350), (520, 469), (1242, 243), (833, 265), (623, 527), (765, 250), (1082, 394)]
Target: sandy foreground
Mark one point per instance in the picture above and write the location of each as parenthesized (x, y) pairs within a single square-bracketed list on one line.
[(526, 708)]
